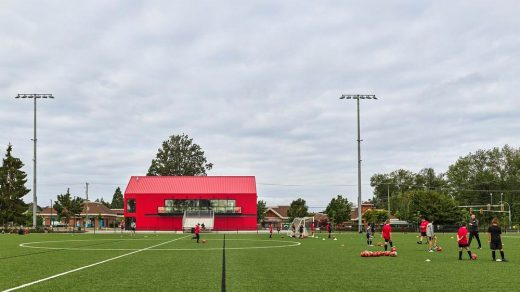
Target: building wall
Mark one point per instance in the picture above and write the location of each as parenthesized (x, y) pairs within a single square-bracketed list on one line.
[(147, 217)]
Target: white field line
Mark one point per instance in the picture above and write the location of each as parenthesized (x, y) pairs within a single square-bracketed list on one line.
[(91, 265), (286, 244)]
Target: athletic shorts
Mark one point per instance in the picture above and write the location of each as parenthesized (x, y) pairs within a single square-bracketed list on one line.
[(494, 245), (463, 245), (430, 238), (369, 235), (133, 229), (423, 233), (387, 240)]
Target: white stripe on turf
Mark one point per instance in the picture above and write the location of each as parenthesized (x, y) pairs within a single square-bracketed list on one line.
[(91, 265)]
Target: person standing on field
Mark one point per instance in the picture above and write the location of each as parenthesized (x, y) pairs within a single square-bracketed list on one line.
[(430, 232), (462, 239), (312, 229), (197, 232), (386, 234), (422, 229), (495, 240), (329, 229), (473, 230), (270, 230), (370, 235), (132, 227)]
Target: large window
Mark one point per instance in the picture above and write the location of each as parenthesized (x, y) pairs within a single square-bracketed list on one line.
[(130, 205), (218, 206)]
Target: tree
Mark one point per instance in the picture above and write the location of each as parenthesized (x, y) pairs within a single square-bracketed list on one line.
[(117, 199), (298, 208), (12, 189), (376, 216), (399, 181), (68, 207), (102, 201), (473, 177), (260, 211), (433, 205), (339, 209), (179, 156)]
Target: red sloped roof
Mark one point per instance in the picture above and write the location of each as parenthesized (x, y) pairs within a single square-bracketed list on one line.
[(191, 185)]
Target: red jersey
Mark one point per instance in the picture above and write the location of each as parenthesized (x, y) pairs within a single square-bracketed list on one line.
[(328, 227), (423, 225), (197, 229), (462, 234), (271, 228), (312, 226), (387, 230)]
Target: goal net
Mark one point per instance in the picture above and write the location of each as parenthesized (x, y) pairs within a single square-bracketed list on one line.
[(192, 218), (300, 227)]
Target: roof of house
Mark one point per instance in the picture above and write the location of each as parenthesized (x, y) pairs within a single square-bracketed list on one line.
[(280, 211), (191, 185), (94, 208)]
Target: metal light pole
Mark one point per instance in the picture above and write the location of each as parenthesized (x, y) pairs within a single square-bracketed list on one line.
[(50, 220), (35, 97), (357, 97)]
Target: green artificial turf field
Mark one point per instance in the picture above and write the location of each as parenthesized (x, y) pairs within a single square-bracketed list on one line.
[(171, 262)]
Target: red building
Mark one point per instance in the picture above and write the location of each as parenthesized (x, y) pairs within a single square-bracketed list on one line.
[(180, 202)]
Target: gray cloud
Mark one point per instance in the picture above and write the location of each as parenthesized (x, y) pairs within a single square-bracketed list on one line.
[(257, 86)]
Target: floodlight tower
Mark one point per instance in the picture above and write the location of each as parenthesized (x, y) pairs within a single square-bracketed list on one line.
[(357, 97), (34, 96)]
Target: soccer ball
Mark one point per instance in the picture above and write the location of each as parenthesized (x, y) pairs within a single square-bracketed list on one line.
[(439, 248), (393, 249), (473, 256), (203, 241), (380, 244), (387, 253), (393, 254)]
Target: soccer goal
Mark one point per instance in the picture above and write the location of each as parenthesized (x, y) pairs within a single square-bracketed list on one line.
[(294, 228)]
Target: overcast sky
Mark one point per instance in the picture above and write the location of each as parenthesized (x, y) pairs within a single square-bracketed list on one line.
[(256, 85)]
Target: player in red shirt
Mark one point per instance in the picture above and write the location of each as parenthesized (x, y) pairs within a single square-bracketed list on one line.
[(462, 239), (271, 230), (329, 229), (312, 229), (422, 229), (197, 232), (386, 234)]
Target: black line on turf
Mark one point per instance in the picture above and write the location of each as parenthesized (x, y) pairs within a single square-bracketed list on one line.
[(223, 287), (53, 250)]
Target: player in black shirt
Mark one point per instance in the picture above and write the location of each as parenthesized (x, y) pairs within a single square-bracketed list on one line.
[(495, 240)]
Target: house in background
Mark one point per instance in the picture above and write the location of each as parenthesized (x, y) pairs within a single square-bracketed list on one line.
[(277, 216), (100, 216)]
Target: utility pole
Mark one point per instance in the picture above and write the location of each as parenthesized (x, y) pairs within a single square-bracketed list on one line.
[(357, 97), (35, 97), (388, 198), (86, 217)]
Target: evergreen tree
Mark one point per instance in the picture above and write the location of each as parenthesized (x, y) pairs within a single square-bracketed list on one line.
[(117, 199), (12, 189), (260, 210)]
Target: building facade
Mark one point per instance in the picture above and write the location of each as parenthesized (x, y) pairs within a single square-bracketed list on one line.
[(99, 216), (166, 202)]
